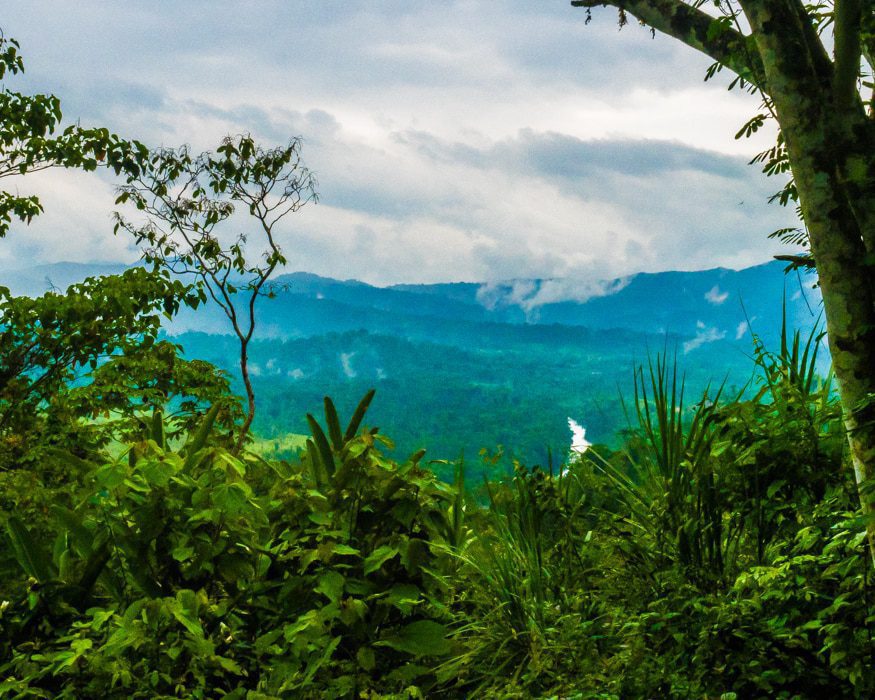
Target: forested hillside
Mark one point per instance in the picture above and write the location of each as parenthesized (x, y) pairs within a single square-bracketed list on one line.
[(483, 367)]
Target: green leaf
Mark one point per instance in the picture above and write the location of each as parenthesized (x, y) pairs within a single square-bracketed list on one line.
[(229, 665), (157, 429), (331, 586), (93, 569), (323, 449), (182, 554), (345, 549), (317, 662), (358, 416), (379, 557), (230, 499), (405, 597), (184, 610), (333, 423), (366, 659), (82, 538), (30, 556), (316, 469), (200, 438), (421, 638)]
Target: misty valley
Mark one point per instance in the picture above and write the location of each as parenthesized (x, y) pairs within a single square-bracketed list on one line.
[(469, 366)]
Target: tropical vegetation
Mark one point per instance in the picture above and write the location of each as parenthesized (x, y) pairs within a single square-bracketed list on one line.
[(149, 549)]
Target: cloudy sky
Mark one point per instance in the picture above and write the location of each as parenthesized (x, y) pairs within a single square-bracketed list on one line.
[(452, 140)]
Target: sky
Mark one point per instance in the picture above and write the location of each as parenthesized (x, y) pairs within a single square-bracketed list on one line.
[(456, 140)]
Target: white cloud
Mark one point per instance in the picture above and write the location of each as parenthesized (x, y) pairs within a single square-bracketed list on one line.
[(76, 225), (530, 295), (704, 334), (467, 140), (715, 296)]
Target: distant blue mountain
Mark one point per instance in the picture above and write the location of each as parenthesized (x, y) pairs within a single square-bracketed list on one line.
[(701, 307), (704, 306), (461, 366)]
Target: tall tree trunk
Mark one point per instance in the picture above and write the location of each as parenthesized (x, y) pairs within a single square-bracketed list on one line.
[(828, 179), (855, 153), (250, 396)]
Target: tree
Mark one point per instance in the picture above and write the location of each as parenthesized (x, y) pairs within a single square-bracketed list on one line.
[(827, 140), (131, 389), (185, 198), (48, 343), (31, 140), (51, 343)]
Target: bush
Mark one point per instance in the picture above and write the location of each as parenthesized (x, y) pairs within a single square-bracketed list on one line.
[(173, 576)]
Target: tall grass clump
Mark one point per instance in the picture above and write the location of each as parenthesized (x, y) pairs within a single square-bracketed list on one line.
[(527, 615)]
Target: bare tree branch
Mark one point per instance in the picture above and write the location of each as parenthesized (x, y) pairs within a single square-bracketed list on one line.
[(696, 29), (192, 196)]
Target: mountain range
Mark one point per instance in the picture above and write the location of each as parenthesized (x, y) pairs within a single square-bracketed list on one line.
[(711, 305), (462, 366)]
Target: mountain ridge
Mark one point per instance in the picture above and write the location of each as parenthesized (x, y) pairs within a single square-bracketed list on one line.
[(460, 366), (711, 304)]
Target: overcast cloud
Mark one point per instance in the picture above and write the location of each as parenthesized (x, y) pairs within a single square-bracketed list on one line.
[(467, 140)]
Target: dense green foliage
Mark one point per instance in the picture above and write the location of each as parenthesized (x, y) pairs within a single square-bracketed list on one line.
[(188, 572), (719, 551)]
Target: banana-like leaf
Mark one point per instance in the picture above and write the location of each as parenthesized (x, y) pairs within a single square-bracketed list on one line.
[(322, 446), (157, 429), (93, 569), (81, 537), (30, 556), (420, 638), (197, 443), (359, 415), (333, 424), (316, 467), (142, 575), (134, 454), (84, 466)]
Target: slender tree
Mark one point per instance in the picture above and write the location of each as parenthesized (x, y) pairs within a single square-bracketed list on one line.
[(827, 140), (187, 198)]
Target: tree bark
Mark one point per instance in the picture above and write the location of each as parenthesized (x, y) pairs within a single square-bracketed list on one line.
[(693, 27), (250, 397)]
